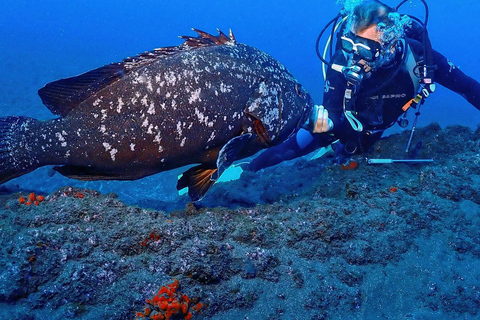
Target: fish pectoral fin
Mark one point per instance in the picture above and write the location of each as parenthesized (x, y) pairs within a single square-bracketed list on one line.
[(231, 152), (198, 180)]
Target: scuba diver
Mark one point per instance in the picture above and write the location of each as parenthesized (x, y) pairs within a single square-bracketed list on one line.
[(383, 65)]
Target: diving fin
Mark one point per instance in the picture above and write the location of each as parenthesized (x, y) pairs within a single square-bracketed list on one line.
[(234, 172), (320, 153)]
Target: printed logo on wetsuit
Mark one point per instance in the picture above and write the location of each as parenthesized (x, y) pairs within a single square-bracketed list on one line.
[(389, 96), (452, 66), (328, 87)]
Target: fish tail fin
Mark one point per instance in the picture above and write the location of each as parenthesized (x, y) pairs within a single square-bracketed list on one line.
[(14, 158), (198, 180)]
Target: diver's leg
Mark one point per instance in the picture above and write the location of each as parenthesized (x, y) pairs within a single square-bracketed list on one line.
[(451, 77), (300, 144)]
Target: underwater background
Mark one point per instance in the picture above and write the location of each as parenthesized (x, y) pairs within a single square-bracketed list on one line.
[(43, 41), (308, 239)]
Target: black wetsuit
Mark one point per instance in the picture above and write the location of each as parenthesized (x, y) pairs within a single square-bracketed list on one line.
[(379, 104)]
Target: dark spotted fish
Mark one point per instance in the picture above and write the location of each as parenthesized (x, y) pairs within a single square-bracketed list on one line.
[(209, 102)]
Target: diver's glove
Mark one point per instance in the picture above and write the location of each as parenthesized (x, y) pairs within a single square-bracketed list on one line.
[(318, 122)]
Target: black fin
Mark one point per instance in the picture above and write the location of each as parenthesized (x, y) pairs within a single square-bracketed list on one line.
[(64, 95), (230, 152), (198, 180), (13, 155)]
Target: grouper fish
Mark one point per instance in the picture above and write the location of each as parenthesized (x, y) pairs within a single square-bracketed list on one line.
[(209, 102)]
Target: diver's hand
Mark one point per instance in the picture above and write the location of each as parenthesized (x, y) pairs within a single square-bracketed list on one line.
[(322, 122)]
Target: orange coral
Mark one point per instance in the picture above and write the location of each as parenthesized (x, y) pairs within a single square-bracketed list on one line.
[(393, 189), (31, 199), (169, 304), (79, 195), (352, 165), (154, 236)]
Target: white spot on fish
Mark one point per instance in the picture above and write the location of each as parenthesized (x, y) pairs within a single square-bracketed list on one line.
[(170, 78), (120, 105), (104, 114), (195, 96), (224, 88), (144, 101), (151, 109), (97, 102), (183, 142), (212, 136), (179, 128), (113, 151), (150, 129), (132, 146), (139, 79), (158, 138), (201, 116), (61, 139), (103, 129)]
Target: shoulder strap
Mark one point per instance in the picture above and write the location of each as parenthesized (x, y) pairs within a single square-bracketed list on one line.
[(410, 64)]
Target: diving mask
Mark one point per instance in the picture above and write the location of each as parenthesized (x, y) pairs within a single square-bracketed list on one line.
[(364, 48)]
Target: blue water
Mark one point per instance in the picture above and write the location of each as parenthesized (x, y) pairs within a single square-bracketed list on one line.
[(42, 41)]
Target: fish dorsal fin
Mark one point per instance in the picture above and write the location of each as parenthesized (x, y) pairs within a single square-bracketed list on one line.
[(63, 95), (205, 39)]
